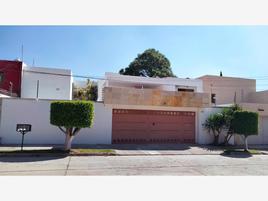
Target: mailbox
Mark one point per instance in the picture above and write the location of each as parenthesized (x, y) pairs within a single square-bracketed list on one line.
[(23, 129)]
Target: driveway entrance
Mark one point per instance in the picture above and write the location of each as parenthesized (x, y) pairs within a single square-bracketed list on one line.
[(152, 127)]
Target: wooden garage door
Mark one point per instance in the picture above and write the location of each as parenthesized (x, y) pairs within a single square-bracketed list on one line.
[(147, 126)]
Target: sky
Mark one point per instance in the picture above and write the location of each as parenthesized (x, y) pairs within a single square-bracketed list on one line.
[(93, 50)]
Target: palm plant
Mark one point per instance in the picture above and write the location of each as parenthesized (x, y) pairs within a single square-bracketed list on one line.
[(214, 124)]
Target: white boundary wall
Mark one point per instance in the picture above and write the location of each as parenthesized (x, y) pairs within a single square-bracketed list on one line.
[(203, 136), (37, 113)]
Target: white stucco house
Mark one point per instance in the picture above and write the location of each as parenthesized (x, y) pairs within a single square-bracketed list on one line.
[(46, 83), (129, 109)]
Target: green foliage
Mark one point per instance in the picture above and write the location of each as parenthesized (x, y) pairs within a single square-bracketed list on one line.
[(150, 63), (245, 123), (214, 124), (90, 92), (69, 114), (228, 114)]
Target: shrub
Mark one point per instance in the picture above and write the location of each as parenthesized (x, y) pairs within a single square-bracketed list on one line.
[(90, 92), (245, 123), (214, 124), (228, 114), (70, 117)]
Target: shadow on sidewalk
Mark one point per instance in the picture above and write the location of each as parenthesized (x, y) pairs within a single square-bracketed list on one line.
[(236, 154), (146, 147), (23, 159), (32, 155)]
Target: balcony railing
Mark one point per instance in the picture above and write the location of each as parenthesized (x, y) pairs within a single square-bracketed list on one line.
[(154, 97)]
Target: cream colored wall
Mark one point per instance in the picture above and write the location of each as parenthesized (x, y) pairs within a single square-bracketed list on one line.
[(260, 108), (258, 97), (225, 88)]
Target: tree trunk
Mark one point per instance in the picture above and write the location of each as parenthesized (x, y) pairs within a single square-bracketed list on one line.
[(68, 142), (246, 143), (216, 140), (226, 139)]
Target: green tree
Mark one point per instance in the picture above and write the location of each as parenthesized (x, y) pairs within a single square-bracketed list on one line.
[(151, 63), (245, 123), (70, 117), (228, 114), (90, 92), (214, 124)]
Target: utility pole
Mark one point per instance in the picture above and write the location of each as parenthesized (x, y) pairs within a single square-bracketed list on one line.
[(11, 88), (37, 90), (22, 52)]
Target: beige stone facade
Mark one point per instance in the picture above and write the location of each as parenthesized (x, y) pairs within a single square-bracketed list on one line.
[(154, 97)]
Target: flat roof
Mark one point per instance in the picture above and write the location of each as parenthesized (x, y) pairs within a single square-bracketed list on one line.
[(151, 80), (47, 70), (217, 76)]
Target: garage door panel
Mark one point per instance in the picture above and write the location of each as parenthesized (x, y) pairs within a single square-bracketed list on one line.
[(146, 126), (164, 126), (129, 125), (125, 118)]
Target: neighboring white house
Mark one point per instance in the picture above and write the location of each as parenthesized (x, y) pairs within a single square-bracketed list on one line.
[(167, 83), (164, 84), (46, 83)]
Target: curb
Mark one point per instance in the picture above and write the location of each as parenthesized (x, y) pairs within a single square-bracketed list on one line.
[(53, 154)]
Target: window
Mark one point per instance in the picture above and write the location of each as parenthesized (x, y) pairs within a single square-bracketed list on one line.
[(1, 77), (185, 90), (213, 98)]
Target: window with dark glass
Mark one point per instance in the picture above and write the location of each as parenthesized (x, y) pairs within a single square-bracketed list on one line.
[(213, 98), (185, 90), (1, 77)]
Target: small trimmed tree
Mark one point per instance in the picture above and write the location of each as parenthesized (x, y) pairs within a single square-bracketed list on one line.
[(228, 114), (70, 117), (214, 124), (245, 123)]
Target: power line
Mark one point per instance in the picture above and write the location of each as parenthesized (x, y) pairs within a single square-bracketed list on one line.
[(99, 78), (66, 75)]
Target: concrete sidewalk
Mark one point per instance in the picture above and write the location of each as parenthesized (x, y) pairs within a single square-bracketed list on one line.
[(149, 149)]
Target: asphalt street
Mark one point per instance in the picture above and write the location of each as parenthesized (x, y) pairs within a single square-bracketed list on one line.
[(136, 165)]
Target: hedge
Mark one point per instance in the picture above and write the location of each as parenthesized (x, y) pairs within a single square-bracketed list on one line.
[(245, 123), (72, 113)]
